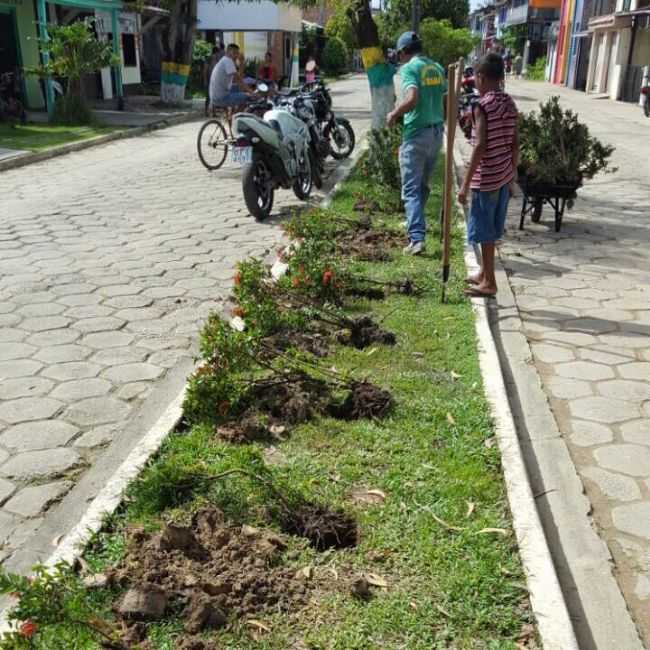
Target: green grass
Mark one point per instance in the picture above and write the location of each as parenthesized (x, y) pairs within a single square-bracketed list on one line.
[(36, 137), (460, 589)]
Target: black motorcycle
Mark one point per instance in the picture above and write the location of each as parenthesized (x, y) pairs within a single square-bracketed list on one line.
[(337, 131)]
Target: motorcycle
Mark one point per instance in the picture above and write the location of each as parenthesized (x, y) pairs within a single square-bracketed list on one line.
[(274, 152), (337, 131), (302, 106), (645, 92), (467, 98)]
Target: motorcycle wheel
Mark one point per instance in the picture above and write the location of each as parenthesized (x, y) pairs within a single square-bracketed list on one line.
[(342, 139), (646, 106), (258, 189), (303, 184)]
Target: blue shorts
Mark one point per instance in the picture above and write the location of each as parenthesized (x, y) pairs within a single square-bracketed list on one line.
[(233, 98), (487, 215)]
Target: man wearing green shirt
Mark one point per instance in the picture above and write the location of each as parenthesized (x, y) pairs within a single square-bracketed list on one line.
[(423, 88)]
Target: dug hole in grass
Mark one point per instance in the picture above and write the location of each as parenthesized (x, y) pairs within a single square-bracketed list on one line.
[(334, 482)]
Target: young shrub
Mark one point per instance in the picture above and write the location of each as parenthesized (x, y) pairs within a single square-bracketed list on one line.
[(556, 148), (382, 162), (335, 56)]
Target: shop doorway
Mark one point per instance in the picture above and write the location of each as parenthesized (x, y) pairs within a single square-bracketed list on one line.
[(9, 59)]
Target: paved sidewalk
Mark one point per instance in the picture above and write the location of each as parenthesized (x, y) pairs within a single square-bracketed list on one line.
[(110, 260), (584, 299)]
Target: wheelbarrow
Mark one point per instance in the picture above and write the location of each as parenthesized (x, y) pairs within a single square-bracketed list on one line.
[(556, 195)]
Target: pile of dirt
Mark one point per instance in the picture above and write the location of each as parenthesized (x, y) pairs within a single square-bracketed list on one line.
[(363, 331), (366, 205), (324, 528), (208, 571), (368, 244), (311, 342), (274, 404), (364, 400)]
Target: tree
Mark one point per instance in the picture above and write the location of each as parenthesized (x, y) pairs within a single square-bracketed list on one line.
[(339, 25), (73, 51), (445, 44), (399, 14), (514, 38), (380, 72), (335, 55)]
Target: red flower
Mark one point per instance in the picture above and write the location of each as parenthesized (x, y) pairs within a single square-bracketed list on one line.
[(327, 277), (295, 282), (237, 279), (238, 311), (28, 629)]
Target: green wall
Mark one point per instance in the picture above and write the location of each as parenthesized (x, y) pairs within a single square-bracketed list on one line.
[(27, 34)]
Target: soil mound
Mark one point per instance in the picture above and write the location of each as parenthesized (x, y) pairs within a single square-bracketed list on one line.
[(208, 571), (363, 332), (364, 400), (324, 528)]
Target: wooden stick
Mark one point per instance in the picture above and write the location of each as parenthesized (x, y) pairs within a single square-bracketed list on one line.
[(452, 110)]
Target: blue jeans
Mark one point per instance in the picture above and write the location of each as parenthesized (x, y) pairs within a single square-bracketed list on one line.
[(233, 98), (417, 159)]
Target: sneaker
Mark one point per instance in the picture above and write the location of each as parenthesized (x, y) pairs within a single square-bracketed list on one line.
[(414, 248)]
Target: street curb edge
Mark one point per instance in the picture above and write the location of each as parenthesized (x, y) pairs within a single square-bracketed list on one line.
[(62, 150)]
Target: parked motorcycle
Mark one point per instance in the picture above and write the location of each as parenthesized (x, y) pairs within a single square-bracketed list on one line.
[(302, 107), (468, 97), (645, 92), (274, 152), (337, 131)]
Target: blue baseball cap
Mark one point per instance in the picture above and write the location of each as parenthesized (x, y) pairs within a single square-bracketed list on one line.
[(407, 40)]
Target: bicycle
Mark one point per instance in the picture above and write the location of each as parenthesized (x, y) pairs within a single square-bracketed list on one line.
[(213, 140)]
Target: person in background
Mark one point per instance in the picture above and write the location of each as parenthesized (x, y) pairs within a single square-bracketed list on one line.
[(223, 79), (311, 68), (423, 88), (491, 170), (208, 67), (267, 71)]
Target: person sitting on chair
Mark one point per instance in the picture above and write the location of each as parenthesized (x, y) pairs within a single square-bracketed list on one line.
[(224, 76), (267, 72)]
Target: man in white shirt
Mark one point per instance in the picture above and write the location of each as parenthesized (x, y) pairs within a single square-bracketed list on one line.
[(223, 76)]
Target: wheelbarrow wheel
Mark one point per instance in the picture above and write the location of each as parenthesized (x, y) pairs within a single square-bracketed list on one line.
[(537, 210)]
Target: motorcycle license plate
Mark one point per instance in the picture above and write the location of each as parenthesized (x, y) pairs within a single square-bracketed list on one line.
[(242, 155)]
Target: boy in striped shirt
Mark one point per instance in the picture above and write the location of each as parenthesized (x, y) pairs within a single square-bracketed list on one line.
[(491, 169)]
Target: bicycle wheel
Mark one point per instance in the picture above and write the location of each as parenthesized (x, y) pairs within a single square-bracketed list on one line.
[(212, 144)]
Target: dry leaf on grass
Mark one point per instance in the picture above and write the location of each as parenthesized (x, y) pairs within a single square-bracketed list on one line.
[(443, 611), (258, 625), (369, 496), (444, 524), (450, 419), (471, 506), (498, 531), (455, 375), (490, 442), (376, 580)]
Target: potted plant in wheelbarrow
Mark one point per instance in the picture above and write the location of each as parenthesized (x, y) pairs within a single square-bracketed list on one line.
[(557, 153)]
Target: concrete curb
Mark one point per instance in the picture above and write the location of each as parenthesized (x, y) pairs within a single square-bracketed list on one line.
[(54, 152), (547, 599), (110, 496)]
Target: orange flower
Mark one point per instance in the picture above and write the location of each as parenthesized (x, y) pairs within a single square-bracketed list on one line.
[(28, 629), (327, 277), (238, 311), (237, 279), (295, 282)]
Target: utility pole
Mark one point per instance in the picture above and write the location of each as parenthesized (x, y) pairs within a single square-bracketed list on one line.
[(416, 12)]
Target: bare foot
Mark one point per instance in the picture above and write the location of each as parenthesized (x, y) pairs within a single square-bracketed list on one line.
[(477, 278), (481, 291)]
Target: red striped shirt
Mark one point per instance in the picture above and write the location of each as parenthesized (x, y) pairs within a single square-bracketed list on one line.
[(496, 167)]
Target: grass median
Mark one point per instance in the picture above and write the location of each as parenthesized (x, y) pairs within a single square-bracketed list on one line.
[(412, 545)]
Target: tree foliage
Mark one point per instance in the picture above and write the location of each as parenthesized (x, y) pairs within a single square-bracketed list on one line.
[(397, 18), (72, 52), (335, 55), (514, 38), (444, 43), (339, 24)]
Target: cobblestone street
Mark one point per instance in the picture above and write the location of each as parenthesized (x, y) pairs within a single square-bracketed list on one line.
[(584, 298), (110, 260)]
